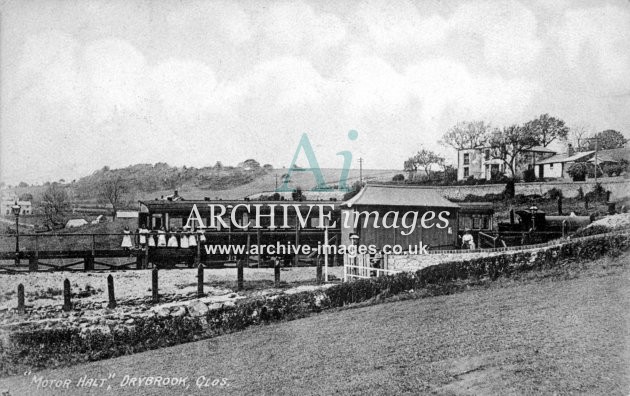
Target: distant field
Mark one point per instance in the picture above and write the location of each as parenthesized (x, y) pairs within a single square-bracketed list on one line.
[(267, 182)]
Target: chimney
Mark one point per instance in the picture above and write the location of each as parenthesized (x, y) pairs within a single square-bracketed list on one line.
[(570, 151)]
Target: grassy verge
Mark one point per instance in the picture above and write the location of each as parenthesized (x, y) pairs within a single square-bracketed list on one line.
[(558, 330), (41, 347)]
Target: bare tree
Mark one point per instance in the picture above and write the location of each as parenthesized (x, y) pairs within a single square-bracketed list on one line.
[(579, 135), (113, 190), (55, 203), (467, 135)]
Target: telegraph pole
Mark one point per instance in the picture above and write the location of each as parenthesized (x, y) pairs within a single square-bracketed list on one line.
[(596, 149), (361, 170)]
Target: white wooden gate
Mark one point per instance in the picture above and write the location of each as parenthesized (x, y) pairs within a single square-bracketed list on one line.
[(363, 266)]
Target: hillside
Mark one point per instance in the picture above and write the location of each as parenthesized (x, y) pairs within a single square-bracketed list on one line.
[(146, 181)]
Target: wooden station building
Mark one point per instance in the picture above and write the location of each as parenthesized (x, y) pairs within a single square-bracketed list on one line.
[(400, 199)]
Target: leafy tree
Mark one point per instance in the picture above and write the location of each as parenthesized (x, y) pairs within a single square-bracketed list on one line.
[(546, 129), (467, 135), (23, 184), (425, 159), (507, 144), (54, 203), (113, 190), (249, 164), (610, 139)]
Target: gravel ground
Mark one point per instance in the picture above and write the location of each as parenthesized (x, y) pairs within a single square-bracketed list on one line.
[(614, 222), (44, 288)]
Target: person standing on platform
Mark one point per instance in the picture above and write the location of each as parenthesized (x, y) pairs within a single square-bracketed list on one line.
[(183, 239), (126, 242), (161, 237), (172, 241)]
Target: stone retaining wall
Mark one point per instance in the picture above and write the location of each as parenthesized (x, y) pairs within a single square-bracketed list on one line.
[(619, 187), (415, 262)]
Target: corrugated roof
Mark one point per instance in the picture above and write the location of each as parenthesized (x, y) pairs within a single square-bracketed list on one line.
[(564, 158), (392, 195)]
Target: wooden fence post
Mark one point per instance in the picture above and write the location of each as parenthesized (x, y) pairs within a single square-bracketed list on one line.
[(276, 272), (296, 259), (145, 257), (21, 308), (110, 292), (67, 304), (258, 236), (198, 252), (200, 280), (318, 271), (239, 275), (154, 284), (33, 261), (249, 245)]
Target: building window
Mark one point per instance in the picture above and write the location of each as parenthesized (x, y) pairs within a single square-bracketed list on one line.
[(466, 158), (550, 166), (466, 172), (487, 155)]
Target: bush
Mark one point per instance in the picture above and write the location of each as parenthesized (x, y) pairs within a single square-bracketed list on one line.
[(578, 171), (529, 175), (598, 193), (591, 172), (592, 230), (555, 193), (612, 170), (398, 178)]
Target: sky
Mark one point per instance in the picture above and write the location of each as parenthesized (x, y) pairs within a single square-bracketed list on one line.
[(87, 84)]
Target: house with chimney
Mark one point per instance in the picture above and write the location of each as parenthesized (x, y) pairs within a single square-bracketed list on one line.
[(478, 163), (556, 167)]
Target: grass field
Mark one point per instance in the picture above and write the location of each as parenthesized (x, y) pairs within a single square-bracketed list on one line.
[(561, 331)]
